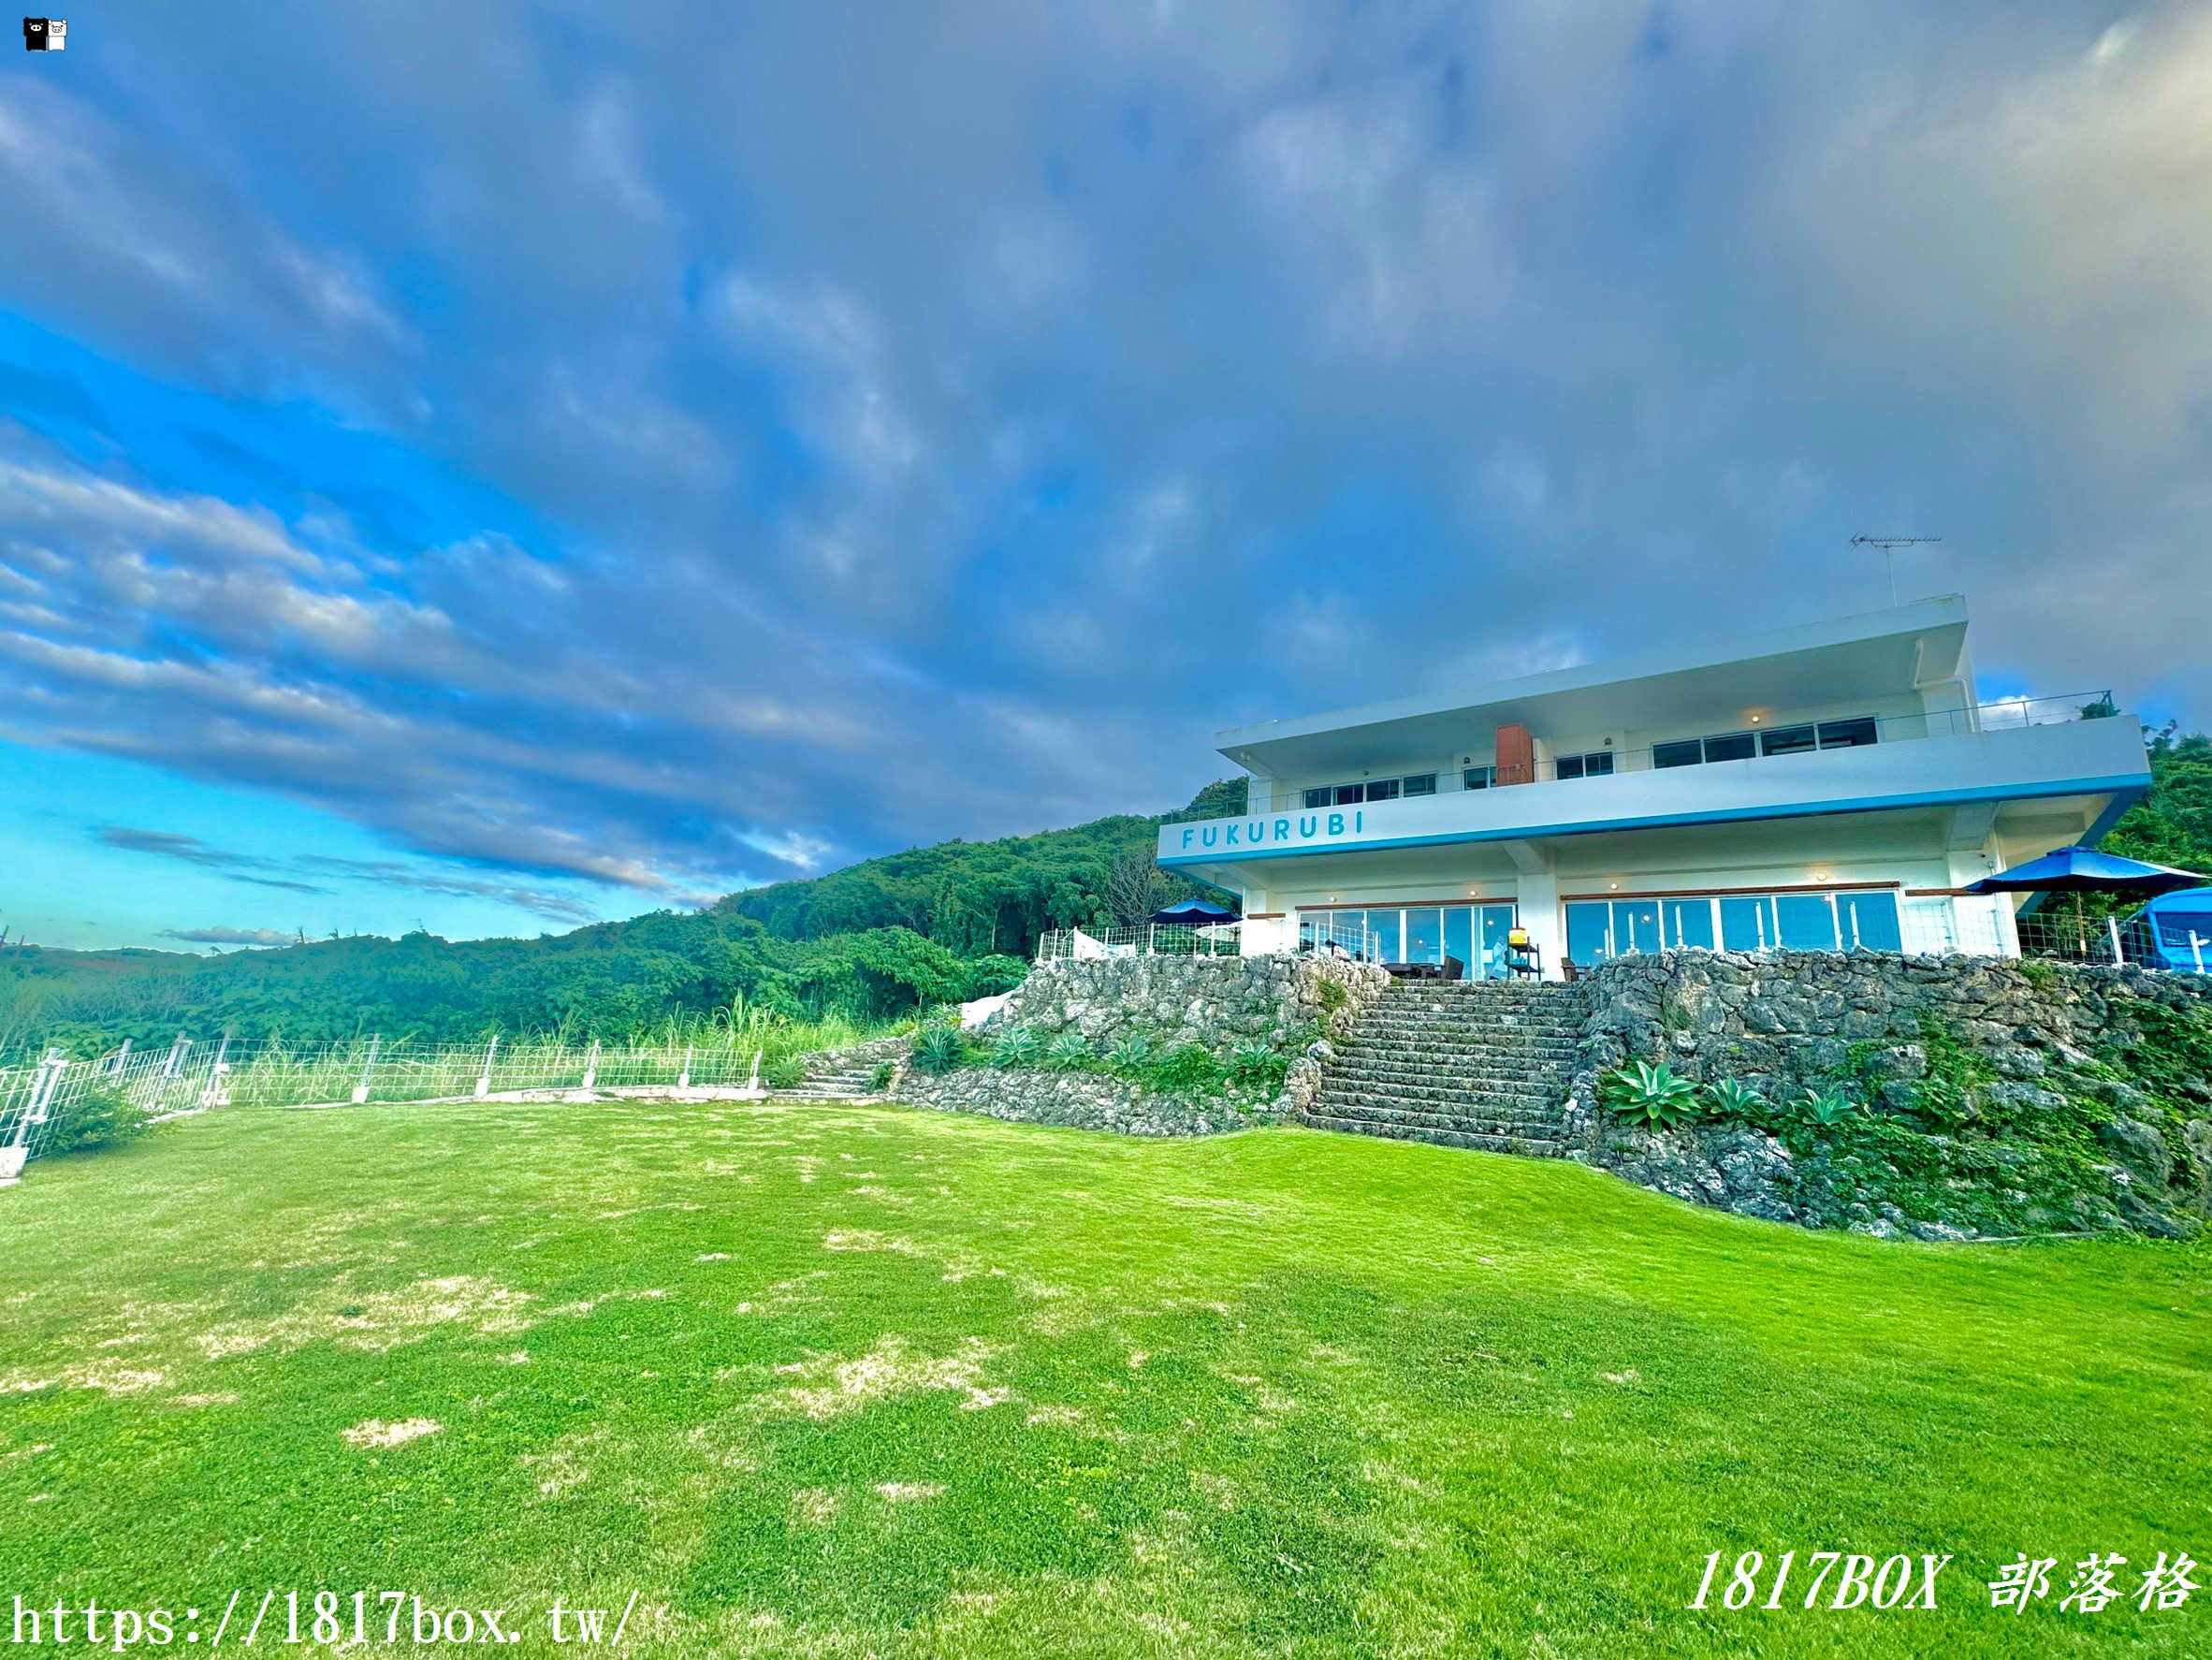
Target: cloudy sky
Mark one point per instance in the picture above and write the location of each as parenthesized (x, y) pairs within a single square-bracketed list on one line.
[(508, 465)]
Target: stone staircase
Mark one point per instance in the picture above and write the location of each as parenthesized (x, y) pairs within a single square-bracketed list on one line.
[(844, 1074), (1483, 1063)]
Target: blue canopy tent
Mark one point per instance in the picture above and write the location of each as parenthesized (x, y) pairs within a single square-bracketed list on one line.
[(1194, 914), (2079, 870)]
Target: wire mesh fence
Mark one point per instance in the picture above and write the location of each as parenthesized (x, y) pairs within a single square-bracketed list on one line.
[(1152, 939), (39, 1094)]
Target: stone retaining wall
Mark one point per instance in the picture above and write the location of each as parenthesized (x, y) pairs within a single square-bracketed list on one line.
[(1215, 1002), (1786, 1021), (1081, 1101)]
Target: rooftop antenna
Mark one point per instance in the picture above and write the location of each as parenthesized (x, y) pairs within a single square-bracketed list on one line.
[(1889, 544)]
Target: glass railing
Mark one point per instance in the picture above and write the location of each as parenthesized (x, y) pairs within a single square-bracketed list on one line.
[(1752, 743)]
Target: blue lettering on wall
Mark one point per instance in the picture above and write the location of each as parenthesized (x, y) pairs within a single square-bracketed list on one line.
[(1255, 832), (1307, 825), (1187, 835), (1336, 824), (1282, 829), (1358, 822), (1207, 835), (1229, 836)]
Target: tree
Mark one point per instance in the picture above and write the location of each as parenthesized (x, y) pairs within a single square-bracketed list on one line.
[(1133, 888)]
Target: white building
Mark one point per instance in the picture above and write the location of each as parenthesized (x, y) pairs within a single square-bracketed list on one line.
[(1826, 787)]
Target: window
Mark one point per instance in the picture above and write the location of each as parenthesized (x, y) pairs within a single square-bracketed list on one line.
[(1742, 746), (1383, 789), (1348, 794), (1317, 797), (1855, 920), (1568, 767), (1421, 783), (1478, 778), (1807, 921), (1869, 922), (1689, 922), (1595, 765)]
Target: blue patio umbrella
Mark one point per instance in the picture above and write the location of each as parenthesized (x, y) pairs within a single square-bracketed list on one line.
[(2079, 870), (1194, 914), (2085, 870)]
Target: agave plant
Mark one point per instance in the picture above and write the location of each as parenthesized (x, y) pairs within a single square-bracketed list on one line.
[(1133, 1053), (1018, 1046), (1732, 1097), (1651, 1095), (1067, 1052), (938, 1049), (1826, 1107), (1250, 1062)]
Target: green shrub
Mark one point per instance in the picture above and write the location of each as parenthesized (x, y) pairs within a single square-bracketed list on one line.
[(938, 1049), (1070, 1052), (989, 976), (1132, 1055), (1017, 1046), (1949, 1090), (1189, 1070), (97, 1118), (1330, 998), (880, 1080), (786, 1072), (1650, 1095), (1734, 1100)]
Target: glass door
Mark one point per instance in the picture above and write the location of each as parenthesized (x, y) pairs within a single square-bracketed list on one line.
[(1492, 924)]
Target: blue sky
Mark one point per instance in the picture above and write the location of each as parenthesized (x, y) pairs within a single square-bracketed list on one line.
[(568, 461)]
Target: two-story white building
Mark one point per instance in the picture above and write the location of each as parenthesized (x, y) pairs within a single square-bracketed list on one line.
[(1824, 787)]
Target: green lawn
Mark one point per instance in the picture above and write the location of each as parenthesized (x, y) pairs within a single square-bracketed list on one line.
[(855, 1381)]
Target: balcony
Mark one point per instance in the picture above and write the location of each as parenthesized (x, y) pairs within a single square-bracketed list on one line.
[(2018, 750)]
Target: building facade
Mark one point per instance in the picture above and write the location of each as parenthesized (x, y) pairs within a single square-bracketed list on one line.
[(1824, 787)]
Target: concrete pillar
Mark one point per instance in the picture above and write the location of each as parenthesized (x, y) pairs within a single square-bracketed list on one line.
[(1541, 915)]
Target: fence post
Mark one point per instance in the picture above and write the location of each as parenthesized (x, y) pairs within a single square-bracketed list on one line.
[(361, 1089), (754, 1081), (121, 1055), (170, 1067), (2197, 945), (213, 1095), (49, 1084), (685, 1081), (484, 1077), (2112, 926), (592, 1065)]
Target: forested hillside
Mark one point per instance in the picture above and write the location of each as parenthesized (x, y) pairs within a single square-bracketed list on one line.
[(2172, 824), (954, 921)]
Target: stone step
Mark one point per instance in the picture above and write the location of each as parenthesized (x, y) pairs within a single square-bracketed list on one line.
[(1528, 1103), (1448, 1083), (1446, 1089), (1528, 1148), (1451, 1103), (1459, 1032), (1410, 1021), (1501, 1124), (1462, 1054)]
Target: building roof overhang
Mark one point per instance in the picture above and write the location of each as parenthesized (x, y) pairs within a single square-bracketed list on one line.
[(1880, 653)]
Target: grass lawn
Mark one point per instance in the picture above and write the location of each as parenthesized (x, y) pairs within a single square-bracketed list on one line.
[(842, 1382)]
